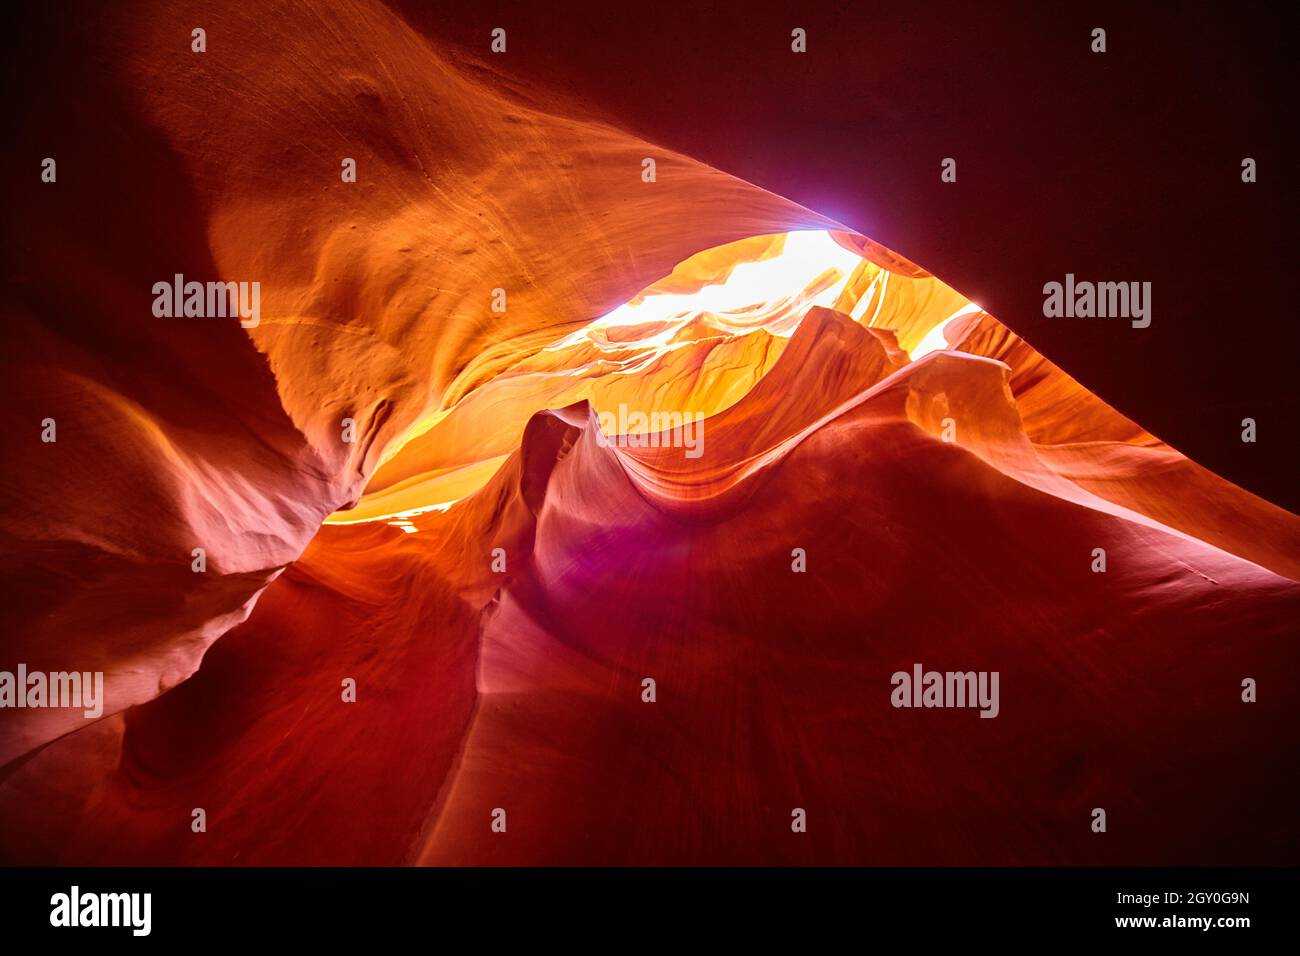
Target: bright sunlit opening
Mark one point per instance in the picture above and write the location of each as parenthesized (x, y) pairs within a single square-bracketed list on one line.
[(771, 294)]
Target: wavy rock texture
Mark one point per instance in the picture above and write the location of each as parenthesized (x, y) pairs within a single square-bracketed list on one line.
[(829, 416), (375, 307)]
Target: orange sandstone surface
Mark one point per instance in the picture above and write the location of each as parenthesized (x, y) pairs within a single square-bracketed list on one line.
[(498, 573)]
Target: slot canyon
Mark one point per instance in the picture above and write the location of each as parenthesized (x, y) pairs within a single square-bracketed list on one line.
[(434, 585)]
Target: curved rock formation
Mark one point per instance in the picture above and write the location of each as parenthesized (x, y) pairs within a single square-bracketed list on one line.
[(397, 484)]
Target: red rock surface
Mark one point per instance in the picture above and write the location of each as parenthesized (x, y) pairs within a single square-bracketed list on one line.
[(825, 431)]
